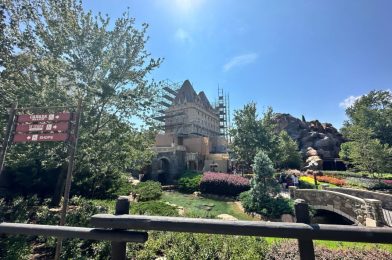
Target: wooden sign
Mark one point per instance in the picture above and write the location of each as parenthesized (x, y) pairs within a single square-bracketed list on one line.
[(44, 117), (58, 137), (25, 128)]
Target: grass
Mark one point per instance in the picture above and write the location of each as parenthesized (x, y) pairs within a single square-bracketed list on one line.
[(110, 204), (204, 207), (339, 244)]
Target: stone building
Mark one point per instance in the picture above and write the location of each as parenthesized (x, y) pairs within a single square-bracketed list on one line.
[(191, 139)]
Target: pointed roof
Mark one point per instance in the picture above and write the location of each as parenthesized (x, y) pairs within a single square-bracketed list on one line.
[(187, 94), (204, 100)]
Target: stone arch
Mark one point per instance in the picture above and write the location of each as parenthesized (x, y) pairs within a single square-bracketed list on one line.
[(339, 212), (164, 169)]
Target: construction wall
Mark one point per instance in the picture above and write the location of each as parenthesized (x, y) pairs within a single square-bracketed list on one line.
[(165, 140), (199, 145)]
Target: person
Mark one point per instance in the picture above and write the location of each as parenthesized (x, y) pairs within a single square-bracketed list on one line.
[(295, 180), (282, 179)]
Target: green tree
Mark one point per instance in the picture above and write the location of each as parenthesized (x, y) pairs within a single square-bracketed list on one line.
[(58, 53), (369, 132), (251, 134), (366, 153), (263, 184), (372, 111), (289, 156)]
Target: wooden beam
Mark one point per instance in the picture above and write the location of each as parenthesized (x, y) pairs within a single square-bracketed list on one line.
[(245, 228), (73, 232)]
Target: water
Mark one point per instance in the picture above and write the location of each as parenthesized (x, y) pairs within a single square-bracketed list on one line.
[(328, 217)]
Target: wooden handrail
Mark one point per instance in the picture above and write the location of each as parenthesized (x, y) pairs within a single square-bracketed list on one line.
[(245, 228), (73, 232)]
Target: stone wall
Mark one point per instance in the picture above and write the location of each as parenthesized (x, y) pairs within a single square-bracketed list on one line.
[(386, 199), (360, 211)]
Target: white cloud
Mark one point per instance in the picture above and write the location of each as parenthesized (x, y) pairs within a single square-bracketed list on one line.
[(183, 35), (240, 60), (348, 102)]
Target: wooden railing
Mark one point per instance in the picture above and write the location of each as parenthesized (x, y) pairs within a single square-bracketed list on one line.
[(115, 228)]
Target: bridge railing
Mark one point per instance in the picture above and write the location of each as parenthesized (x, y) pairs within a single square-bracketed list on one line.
[(367, 212), (115, 228)]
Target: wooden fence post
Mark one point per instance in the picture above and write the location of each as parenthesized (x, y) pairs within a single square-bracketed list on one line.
[(119, 249), (306, 248)]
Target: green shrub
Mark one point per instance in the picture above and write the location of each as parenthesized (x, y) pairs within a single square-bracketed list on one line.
[(305, 185), (155, 208), (189, 246), (269, 207), (149, 190), (190, 182)]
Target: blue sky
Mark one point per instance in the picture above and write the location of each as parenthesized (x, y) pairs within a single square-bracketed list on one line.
[(300, 57)]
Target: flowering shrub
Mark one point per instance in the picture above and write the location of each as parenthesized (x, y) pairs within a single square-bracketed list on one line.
[(223, 184), (331, 180), (388, 182)]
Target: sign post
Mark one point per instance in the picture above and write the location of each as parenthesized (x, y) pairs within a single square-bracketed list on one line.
[(50, 127), (71, 156), (7, 136)]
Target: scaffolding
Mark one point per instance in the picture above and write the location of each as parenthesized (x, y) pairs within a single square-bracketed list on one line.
[(166, 96), (223, 110)]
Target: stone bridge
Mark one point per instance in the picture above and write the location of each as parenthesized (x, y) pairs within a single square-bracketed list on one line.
[(361, 211)]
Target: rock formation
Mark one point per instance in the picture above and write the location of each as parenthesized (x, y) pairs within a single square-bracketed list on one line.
[(316, 141)]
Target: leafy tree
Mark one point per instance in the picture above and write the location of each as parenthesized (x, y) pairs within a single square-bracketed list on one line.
[(251, 134), (369, 131), (289, 156), (372, 111), (56, 54), (366, 153)]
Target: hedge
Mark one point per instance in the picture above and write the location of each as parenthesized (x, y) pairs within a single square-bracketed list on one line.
[(223, 184)]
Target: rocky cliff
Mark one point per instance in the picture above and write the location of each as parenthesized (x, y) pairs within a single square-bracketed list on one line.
[(316, 141)]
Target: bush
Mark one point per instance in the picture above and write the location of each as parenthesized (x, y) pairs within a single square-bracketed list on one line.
[(149, 190), (190, 182), (170, 245), (223, 184), (269, 207), (331, 180), (155, 208)]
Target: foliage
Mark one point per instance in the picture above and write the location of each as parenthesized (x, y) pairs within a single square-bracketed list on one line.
[(263, 184), (366, 153), (190, 182), (154, 208), (264, 187), (289, 156), (370, 184), (331, 180), (306, 183), (288, 249), (223, 184), (188, 246), (54, 54), (251, 134), (149, 190), (34, 210), (373, 112), (369, 131), (269, 207)]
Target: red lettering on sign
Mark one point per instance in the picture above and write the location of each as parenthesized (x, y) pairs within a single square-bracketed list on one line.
[(44, 117), (58, 137)]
